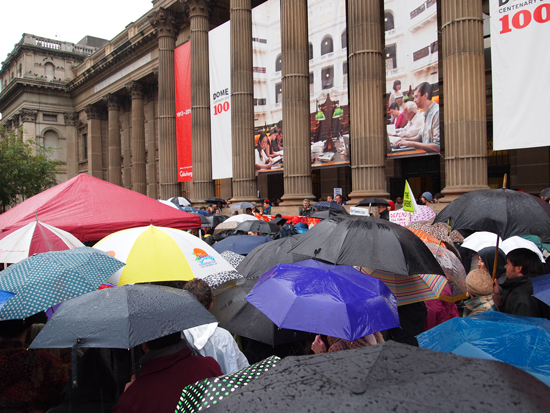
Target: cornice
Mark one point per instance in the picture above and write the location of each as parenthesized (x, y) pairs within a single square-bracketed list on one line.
[(23, 85)]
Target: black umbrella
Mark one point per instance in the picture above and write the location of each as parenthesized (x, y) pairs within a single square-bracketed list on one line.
[(214, 200), (327, 213), (260, 226), (372, 201), (238, 316), (545, 193), (389, 377), (324, 205), (368, 242), (242, 205), (502, 211), (240, 244), (266, 256)]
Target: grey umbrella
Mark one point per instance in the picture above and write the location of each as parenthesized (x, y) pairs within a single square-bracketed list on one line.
[(545, 193), (242, 205), (389, 377), (122, 317), (260, 226)]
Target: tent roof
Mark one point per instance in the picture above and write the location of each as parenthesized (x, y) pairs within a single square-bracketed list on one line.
[(90, 209)]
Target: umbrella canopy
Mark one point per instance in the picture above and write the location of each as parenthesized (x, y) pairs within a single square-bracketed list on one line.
[(545, 193), (324, 205), (453, 268), (482, 239), (226, 226), (212, 220), (215, 280), (439, 230), (232, 258), (502, 211), (372, 201), (326, 299), (43, 280), (122, 317), (240, 244), (4, 297), (34, 238), (423, 213), (427, 238), (261, 227), (180, 201), (389, 377), (214, 200), (266, 256), (161, 254), (541, 288), (242, 205), (523, 342), (368, 242), (327, 213), (90, 209), (190, 209), (168, 203), (241, 218)]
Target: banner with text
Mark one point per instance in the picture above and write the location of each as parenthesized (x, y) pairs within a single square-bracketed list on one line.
[(182, 62), (520, 63)]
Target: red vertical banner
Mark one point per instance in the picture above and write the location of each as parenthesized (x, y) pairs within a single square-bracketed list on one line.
[(182, 62)]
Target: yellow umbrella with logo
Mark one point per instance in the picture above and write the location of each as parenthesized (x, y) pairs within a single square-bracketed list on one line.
[(161, 254)]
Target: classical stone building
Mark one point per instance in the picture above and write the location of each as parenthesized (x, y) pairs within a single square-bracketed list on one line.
[(109, 107)]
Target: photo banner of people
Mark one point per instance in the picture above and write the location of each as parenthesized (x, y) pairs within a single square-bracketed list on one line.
[(412, 81), (328, 85)]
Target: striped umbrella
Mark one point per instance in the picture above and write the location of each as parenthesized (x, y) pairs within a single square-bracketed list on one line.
[(409, 289)]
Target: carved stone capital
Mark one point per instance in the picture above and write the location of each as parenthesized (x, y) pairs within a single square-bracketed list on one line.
[(28, 115), (70, 118), (111, 101), (197, 7), (92, 112), (135, 89), (166, 22)]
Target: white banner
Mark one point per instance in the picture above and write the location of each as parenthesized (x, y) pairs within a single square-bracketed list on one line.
[(520, 30), (220, 101)]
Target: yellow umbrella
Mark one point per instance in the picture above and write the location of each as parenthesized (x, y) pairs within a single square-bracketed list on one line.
[(161, 254)]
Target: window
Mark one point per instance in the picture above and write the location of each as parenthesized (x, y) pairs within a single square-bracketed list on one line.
[(326, 45), (260, 102), (20, 70), (56, 146), (390, 53), (84, 146), (278, 63), (49, 70), (12, 76), (49, 118), (278, 93), (422, 53), (311, 83), (327, 76), (344, 39), (345, 73), (310, 51), (389, 23)]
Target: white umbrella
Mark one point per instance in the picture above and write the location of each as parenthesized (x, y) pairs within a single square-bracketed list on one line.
[(515, 242), (482, 239), (241, 218), (170, 204), (180, 200)]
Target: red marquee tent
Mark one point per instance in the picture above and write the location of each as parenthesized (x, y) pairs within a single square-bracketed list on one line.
[(90, 209)]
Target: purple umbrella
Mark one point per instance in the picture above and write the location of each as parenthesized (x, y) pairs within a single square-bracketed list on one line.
[(336, 300)]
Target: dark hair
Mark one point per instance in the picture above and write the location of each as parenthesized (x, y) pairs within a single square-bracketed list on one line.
[(247, 210), (527, 259), (424, 88), (201, 290), (439, 195), (394, 106), (396, 83), (165, 341), (259, 145)]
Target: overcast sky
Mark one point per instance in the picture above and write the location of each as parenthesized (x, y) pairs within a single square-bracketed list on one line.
[(66, 20)]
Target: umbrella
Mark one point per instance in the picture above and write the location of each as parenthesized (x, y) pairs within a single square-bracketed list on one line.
[(545, 193), (4, 297), (241, 218), (327, 299), (170, 204), (409, 289), (180, 201), (423, 213), (34, 238), (327, 213), (439, 230), (215, 280), (523, 342), (213, 220), (122, 317), (201, 395), (482, 239), (242, 205), (203, 212), (324, 205), (368, 242), (372, 201), (46, 279), (453, 268), (266, 256), (502, 211), (214, 200), (389, 377), (541, 288), (226, 226), (240, 244), (262, 227), (233, 258), (161, 254), (190, 209), (427, 238)]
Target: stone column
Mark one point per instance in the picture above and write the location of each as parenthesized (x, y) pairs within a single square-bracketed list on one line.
[(126, 140), (151, 145), (72, 148), (167, 25), (114, 155), (465, 130), (139, 180), (203, 186), (28, 120), (242, 102), (95, 161), (367, 79), (296, 127)]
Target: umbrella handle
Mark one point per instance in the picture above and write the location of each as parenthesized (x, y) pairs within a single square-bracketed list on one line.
[(74, 361), (496, 260), (132, 358)]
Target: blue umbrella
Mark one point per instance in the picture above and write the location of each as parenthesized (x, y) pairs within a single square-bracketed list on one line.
[(203, 212), (541, 288), (189, 209), (328, 205), (336, 300), (5, 296), (46, 279), (523, 342), (240, 244)]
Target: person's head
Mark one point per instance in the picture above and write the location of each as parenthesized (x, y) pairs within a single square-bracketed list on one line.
[(423, 95), (201, 290), (438, 196), (217, 210), (486, 261), (394, 110), (410, 110), (382, 208), (391, 206), (267, 203), (253, 233), (479, 283), (237, 212), (263, 141), (279, 221), (522, 262), (339, 199), (397, 85), (248, 211), (399, 200), (330, 199), (273, 133), (305, 203), (427, 198)]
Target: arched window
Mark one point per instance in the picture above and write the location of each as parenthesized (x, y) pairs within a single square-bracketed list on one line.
[(389, 24), (279, 63), (390, 54), (310, 51), (326, 45), (344, 39), (49, 70), (51, 142), (327, 77), (278, 93)]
